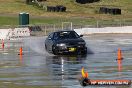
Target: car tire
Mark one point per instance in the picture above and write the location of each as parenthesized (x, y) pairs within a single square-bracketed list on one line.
[(54, 50), (84, 52)]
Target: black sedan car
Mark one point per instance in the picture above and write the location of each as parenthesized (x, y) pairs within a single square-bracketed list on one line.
[(65, 42)]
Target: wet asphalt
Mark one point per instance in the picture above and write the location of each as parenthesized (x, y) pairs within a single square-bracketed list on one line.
[(38, 69)]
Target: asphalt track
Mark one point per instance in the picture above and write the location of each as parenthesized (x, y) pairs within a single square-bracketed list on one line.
[(39, 69)]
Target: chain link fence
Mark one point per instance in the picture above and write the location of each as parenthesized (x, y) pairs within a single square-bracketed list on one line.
[(45, 29)]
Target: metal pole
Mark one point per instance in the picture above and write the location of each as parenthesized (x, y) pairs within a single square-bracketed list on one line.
[(62, 25), (71, 26)]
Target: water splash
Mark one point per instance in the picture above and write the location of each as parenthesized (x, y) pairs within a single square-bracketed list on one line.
[(36, 44)]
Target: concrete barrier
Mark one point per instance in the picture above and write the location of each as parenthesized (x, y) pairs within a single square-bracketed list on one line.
[(123, 29), (14, 33), (4, 33)]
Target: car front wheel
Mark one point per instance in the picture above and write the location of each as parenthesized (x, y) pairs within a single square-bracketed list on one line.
[(54, 50)]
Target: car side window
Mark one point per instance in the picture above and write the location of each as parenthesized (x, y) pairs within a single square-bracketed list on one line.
[(56, 36), (51, 35)]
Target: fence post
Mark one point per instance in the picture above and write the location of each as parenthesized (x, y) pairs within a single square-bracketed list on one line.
[(62, 25), (120, 23), (45, 30), (54, 27), (97, 24), (71, 26)]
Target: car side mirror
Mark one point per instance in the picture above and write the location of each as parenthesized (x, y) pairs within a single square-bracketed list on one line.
[(81, 35)]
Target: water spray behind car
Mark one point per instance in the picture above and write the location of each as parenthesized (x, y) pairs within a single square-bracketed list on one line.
[(36, 44)]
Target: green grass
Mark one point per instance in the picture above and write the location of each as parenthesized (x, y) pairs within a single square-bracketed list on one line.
[(76, 13), (5, 20), (14, 21), (73, 8), (8, 21)]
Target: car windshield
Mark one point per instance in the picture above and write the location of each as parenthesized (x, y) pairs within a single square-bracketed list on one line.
[(66, 35)]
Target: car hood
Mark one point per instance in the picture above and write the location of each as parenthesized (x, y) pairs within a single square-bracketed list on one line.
[(71, 40)]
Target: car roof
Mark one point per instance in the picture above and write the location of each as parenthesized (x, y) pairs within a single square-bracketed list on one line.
[(64, 31), (61, 31)]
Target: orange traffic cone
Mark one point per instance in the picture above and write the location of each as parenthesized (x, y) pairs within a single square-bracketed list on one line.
[(119, 55), (20, 51), (119, 59), (2, 44)]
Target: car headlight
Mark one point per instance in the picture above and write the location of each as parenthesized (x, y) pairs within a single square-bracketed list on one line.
[(82, 43), (61, 44)]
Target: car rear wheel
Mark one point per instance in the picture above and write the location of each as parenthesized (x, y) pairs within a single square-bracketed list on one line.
[(82, 52), (45, 47)]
